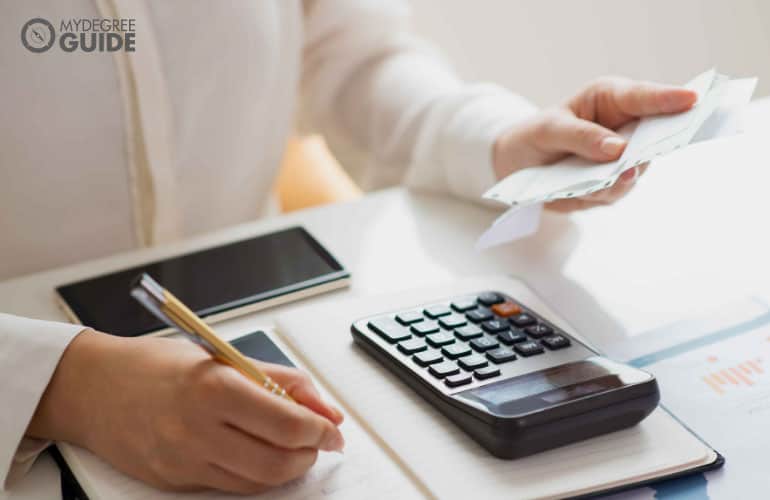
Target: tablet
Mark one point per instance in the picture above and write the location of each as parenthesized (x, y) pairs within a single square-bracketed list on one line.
[(217, 283)]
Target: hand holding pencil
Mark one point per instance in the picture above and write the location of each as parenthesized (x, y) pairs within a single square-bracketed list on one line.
[(168, 413), (166, 307)]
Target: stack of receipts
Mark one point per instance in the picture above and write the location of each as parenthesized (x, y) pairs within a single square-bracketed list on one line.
[(716, 113)]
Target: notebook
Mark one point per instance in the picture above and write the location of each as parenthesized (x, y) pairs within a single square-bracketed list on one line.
[(446, 462), (400, 447)]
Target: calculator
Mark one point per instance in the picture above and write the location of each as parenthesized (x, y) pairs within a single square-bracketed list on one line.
[(513, 381)]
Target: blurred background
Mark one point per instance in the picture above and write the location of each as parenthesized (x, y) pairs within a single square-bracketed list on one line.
[(547, 49)]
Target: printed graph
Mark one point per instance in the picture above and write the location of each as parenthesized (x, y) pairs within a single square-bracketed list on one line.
[(741, 374)]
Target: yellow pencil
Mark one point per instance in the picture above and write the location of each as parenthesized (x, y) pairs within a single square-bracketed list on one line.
[(173, 312)]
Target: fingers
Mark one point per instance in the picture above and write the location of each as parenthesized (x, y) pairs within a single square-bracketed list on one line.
[(283, 423), (564, 132), (644, 98), (301, 388), (614, 101), (256, 462)]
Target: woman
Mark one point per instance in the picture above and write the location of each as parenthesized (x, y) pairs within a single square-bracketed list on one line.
[(103, 152)]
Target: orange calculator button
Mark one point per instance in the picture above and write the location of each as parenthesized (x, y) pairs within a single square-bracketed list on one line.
[(506, 309)]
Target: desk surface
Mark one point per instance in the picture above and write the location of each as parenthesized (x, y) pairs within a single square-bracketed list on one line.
[(685, 241)]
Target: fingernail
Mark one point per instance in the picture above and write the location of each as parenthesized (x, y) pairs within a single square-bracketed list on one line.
[(334, 442), (628, 176), (612, 145)]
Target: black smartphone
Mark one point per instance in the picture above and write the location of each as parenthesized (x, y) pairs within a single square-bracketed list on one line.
[(217, 283)]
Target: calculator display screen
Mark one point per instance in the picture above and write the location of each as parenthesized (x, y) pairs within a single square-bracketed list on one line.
[(552, 386)]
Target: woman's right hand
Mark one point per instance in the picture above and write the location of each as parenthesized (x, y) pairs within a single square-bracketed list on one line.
[(163, 411)]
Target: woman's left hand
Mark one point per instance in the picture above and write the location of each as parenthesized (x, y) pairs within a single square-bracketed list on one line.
[(585, 126)]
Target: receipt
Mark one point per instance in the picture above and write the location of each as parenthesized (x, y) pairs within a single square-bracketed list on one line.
[(648, 138), (717, 112)]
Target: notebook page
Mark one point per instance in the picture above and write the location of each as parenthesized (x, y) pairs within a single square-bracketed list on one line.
[(447, 462), (363, 471)]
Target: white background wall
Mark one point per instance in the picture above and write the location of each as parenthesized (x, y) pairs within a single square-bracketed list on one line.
[(546, 49)]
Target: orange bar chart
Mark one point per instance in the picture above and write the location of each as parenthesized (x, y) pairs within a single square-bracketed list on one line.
[(740, 375)]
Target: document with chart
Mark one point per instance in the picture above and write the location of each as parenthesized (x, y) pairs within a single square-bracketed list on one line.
[(714, 373)]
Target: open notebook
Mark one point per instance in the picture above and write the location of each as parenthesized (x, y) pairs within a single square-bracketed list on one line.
[(398, 446)]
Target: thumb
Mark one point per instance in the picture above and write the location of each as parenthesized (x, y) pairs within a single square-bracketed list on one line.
[(567, 133)]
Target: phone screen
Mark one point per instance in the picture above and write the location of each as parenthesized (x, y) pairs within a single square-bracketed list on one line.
[(209, 281)]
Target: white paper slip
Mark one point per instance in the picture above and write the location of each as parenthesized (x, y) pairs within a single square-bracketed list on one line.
[(653, 137), (513, 224), (717, 112), (727, 119)]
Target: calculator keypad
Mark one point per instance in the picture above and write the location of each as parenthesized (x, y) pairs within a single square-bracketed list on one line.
[(428, 358), (471, 339), (452, 321), (440, 339), (480, 315), (441, 370), (456, 351), (484, 344), (412, 346), (468, 332), (501, 355), (472, 362), (458, 380), (425, 327)]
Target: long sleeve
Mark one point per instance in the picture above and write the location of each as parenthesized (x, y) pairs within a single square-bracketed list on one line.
[(29, 353), (384, 99)]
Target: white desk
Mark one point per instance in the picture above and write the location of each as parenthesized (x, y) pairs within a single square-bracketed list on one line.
[(670, 249)]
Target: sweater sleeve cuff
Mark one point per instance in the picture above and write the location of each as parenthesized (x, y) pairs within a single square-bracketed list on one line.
[(458, 159), (29, 353)]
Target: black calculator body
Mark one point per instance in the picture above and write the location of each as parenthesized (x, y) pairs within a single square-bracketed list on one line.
[(513, 381)]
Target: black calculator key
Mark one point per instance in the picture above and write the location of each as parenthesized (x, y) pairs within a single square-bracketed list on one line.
[(528, 348), (457, 380), (479, 315), (412, 346), (510, 337), (556, 341), (455, 351), (425, 327), (538, 331), (389, 329), (440, 339), (494, 326), (409, 317), (484, 344), (437, 311), (463, 305), (468, 332), (441, 370), (523, 319), (470, 363), (452, 321), (501, 355), (490, 298), (427, 358), (487, 372)]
